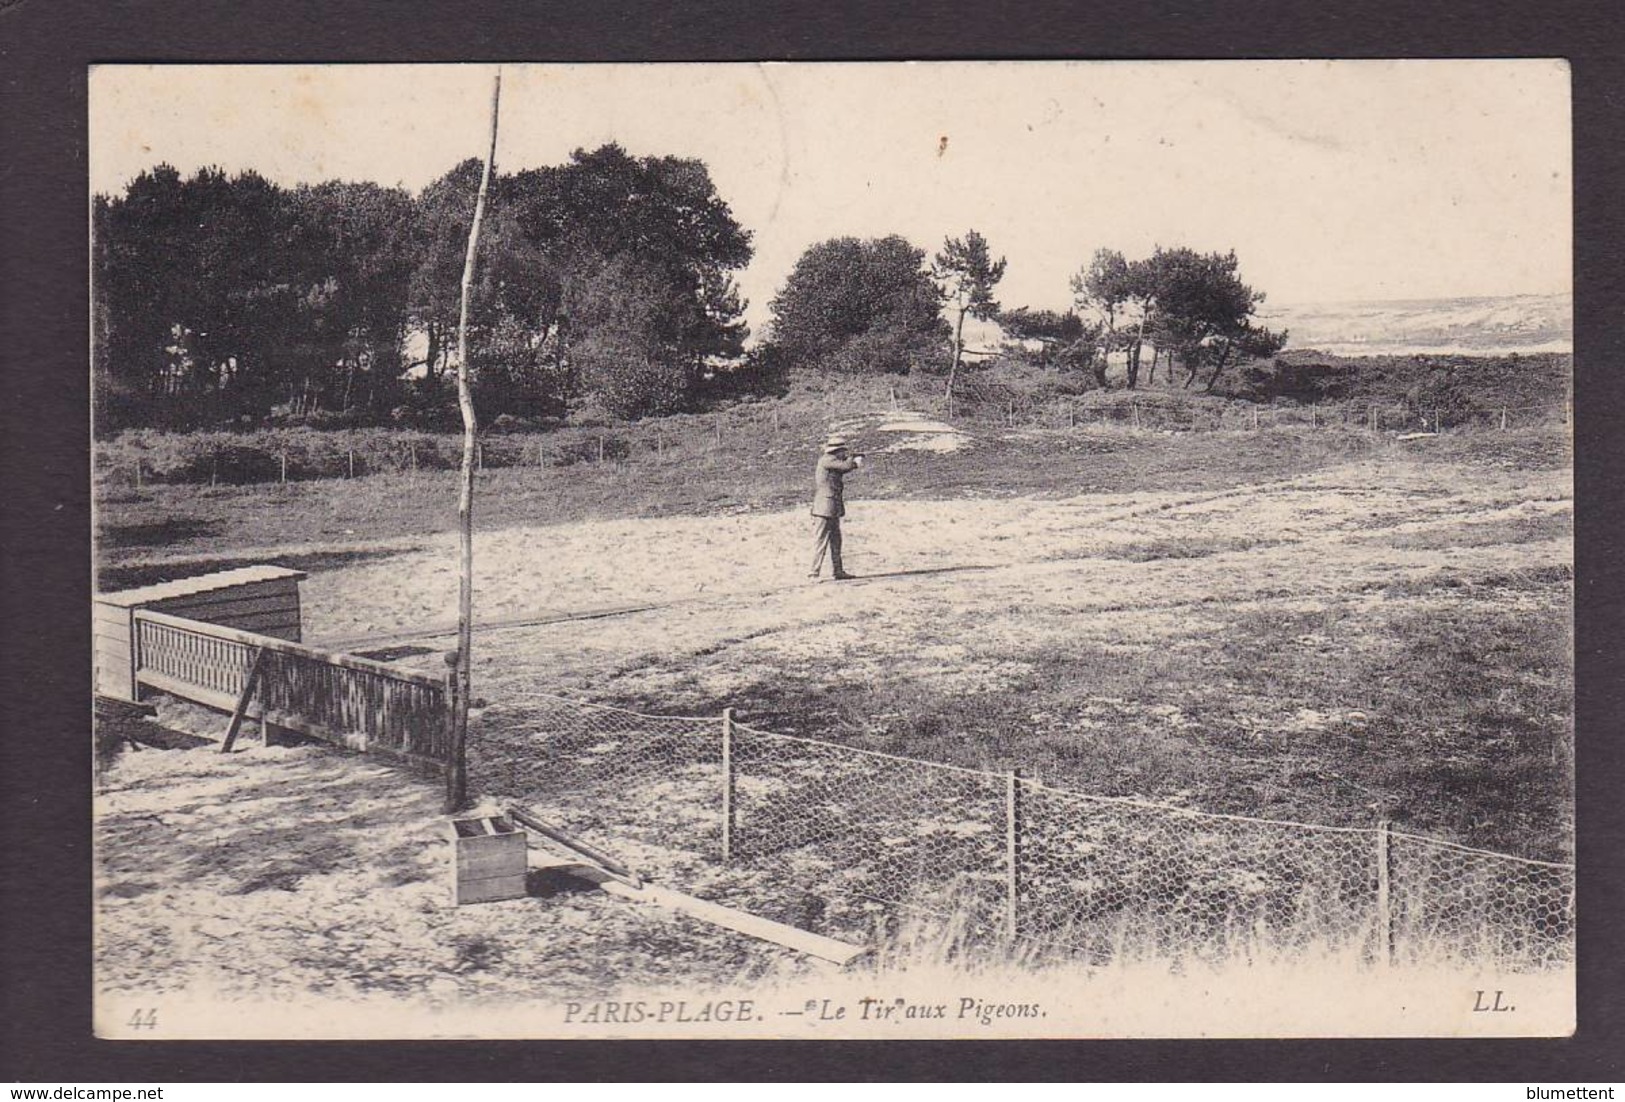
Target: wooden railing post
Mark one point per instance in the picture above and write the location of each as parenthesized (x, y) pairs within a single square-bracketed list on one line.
[(1012, 852), (727, 785), (136, 630), (1385, 907), (456, 762)]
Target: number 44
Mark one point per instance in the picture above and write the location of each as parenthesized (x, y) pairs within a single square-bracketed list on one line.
[(144, 1019)]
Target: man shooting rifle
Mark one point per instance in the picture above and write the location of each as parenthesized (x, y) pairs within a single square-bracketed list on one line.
[(829, 503)]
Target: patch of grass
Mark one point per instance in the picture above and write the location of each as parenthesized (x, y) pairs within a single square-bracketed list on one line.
[(1446, 715), (1535, 528), (163, 533), (1531, 579), (1179, 548), (476, 953)]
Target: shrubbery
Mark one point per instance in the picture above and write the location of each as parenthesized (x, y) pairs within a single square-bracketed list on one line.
[(239, 458)]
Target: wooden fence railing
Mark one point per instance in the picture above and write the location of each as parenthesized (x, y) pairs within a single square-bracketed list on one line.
[(355, 702)]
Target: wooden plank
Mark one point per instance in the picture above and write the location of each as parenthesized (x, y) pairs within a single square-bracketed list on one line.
[(115, 682), (241, 591), (493, 889), (110, 614), (265, 623), (222, 612), (569, 841), (283, 646), (791, 937), (220, 580), (242, 703), (482, 844), (119, 632), (503, 862), (187, 691), (295, 722), (117, 648)]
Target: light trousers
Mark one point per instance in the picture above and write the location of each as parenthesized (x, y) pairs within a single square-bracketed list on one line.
[(827, 538)]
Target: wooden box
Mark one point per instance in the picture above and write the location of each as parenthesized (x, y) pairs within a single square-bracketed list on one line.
[(488, 860)]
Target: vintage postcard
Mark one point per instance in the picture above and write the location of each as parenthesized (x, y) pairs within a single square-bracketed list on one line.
[(886, 551)]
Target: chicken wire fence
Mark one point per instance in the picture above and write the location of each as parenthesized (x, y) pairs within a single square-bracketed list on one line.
[(1004, 855)]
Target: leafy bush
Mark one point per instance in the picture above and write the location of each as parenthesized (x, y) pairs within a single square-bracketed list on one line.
[(888, 351), (628, 379), (765, 371), (1305, 381)]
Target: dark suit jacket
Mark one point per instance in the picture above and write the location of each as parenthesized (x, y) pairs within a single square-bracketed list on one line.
[(829, 495)]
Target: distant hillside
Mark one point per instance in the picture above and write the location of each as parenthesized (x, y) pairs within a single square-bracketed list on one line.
[(1467, 326)]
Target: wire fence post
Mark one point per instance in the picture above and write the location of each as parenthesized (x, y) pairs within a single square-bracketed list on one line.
[(600, 449), (284, 456), (1503, 420), (1385, 906), (727, 785), (1012, 852)]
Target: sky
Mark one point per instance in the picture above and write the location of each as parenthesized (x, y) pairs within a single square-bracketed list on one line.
[(1333, 181)]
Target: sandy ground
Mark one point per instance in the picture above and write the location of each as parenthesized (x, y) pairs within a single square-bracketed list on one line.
[(725, 599), (285, 873)]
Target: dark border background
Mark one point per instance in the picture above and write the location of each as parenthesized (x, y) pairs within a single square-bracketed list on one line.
[(45, 46)]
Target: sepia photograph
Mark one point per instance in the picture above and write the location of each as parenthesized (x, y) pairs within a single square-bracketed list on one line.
[(884, 550)]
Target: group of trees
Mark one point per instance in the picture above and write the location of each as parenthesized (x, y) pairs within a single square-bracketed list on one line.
[(608, 279), (877, 306), (1190, 307)]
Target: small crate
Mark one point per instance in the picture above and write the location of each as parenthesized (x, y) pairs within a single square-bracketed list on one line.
[(488, 860)]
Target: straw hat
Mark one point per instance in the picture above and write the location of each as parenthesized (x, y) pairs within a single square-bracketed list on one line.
[(835, 443)]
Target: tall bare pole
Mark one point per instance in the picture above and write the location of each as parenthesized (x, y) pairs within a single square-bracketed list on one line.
[(457, 773)]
